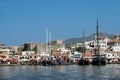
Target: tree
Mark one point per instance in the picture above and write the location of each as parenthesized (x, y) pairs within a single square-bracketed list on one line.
[(25, 47), (81, 49), (35, 49)]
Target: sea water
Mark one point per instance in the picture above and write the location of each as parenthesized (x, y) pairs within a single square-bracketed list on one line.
[(61, 72)]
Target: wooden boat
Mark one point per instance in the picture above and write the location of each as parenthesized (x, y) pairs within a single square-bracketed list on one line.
[(98, 59), (83, 61)]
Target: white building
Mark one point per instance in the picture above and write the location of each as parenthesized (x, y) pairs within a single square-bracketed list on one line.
[(103, 43), (93, 43), (4, 54), (114, 44), (112, 57)]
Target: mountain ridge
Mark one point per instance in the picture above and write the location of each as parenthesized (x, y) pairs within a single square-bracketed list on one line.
[(73, 41)]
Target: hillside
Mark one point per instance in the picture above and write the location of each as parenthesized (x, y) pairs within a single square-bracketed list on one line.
[(73, 41)]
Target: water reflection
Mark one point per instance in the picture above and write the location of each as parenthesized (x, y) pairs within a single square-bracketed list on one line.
[(71, 72)]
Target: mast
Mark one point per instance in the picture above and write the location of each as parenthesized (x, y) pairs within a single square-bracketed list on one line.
[(50, 41), (83, 44), (97, 38), (41, 47), (98, 51), (46, 40), (98, 59)]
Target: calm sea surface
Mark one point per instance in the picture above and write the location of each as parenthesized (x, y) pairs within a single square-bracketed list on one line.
[(69, 72)]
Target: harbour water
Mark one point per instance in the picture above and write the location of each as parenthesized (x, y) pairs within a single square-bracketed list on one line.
[(66, 72)]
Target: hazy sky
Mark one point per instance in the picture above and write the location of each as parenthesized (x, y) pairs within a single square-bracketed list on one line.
[(26, 20)]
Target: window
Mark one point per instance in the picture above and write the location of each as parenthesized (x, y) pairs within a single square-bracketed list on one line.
[(26, 57), (20, 57), (104, 42), (113, 55)]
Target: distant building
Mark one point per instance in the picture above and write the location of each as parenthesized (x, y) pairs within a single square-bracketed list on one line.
[(31, 45), (103, 42), (2, 45), (14, 49), (118, 36), (57, 44), (93, 43), (114, 44), (53, 45)]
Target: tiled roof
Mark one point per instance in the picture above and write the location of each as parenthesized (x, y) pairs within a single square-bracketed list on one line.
[(114, 40)]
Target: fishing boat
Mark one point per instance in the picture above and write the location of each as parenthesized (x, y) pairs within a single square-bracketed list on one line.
[(83, 61), (98, 58)]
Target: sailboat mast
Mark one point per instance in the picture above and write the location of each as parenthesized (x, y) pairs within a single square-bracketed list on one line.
[(46, 40), (97, 38), (50, 41), (83, 44)]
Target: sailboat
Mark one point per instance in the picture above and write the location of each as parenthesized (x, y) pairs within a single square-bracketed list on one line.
[(98, 59), (83, 61), (48, 58)]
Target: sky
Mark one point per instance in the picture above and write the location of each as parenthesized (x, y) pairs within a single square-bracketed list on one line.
[(26, 20)]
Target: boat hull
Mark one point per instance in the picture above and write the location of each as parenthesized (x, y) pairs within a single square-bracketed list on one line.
[(83, 62), (98, 61)]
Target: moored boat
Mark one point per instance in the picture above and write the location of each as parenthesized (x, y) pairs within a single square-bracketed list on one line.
[(98, 59), (83, 61)]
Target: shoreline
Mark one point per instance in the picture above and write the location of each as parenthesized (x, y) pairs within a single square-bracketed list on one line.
[(45, 65), (10, 65)]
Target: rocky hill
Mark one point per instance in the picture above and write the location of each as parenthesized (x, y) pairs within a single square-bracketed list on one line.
[(73, 41)]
